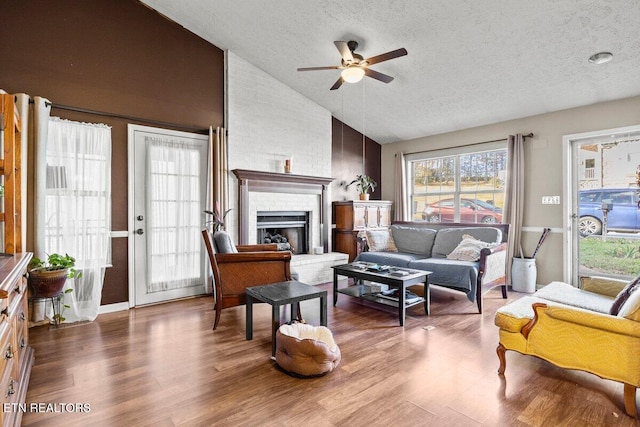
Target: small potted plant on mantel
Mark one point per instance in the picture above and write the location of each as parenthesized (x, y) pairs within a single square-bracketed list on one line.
[(364, 184)]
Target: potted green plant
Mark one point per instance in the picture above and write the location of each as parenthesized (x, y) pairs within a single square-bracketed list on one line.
[(217, 220), (47, 277), (365, 184)]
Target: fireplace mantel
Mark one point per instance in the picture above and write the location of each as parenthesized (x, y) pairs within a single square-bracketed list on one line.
[(272, 182)]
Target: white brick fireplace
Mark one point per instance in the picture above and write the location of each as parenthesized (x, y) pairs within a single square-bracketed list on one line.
[(268, 191), (269, 122)]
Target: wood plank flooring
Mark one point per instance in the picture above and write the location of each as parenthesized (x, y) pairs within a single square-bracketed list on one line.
[(162, 365)]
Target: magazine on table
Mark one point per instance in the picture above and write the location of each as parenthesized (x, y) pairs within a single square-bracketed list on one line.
[(393, 295)]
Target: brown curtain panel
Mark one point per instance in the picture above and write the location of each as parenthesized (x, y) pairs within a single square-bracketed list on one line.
[(217, 174), (514, 198)]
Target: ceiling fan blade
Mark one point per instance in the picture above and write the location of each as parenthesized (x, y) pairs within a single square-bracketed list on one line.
[(386, 56), (345, 52), (378, 76), (335, 67), (337, 84)]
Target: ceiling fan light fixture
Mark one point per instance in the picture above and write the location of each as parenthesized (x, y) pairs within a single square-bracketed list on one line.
[(601, 58), (352, 74)]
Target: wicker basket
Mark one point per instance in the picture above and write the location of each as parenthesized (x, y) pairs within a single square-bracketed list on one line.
[(47, 284)]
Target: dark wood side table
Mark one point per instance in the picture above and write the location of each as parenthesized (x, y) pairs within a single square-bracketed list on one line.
[(282, 293)]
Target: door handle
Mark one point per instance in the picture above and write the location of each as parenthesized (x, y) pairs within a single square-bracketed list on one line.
[(139, 231)]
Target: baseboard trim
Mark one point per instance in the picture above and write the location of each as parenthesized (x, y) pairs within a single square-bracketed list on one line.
[(110, 308)]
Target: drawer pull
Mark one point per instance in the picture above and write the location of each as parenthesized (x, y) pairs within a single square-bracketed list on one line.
[(17, 290), (22, 316), (9, 353), (23, 344), (11, 390)]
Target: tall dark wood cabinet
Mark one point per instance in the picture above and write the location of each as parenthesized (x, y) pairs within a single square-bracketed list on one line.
[(16, 357), (355, 216)]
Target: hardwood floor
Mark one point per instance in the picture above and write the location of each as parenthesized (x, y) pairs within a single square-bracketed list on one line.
[(163, 366)]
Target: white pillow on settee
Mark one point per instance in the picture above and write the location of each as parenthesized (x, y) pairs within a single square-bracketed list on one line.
[(380, 241), (469, 249)]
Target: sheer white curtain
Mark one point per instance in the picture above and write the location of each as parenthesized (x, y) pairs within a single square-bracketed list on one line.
[(174, 213), (77, 209)]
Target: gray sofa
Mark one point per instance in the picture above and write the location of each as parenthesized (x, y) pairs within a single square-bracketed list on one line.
[(425, 246)]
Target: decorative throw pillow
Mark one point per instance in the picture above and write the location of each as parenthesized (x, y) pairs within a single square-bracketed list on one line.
[(224, 245), (469, 249), (380, 241), (631, 307), (624, 295)]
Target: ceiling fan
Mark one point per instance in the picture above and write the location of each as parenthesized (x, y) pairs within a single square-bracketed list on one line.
[(354, 67)]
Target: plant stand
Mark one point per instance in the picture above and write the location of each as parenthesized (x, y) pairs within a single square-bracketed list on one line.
[(56, 304)]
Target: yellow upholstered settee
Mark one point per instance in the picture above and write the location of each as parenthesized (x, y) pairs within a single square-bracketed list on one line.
[(573, 328)]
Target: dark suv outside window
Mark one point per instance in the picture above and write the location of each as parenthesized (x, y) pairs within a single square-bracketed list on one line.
[(624, 215)]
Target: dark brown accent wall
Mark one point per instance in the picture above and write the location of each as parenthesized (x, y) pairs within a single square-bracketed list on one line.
[(115, 56), (347, 159)]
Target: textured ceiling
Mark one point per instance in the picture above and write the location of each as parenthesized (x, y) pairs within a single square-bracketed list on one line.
[(470, 62)]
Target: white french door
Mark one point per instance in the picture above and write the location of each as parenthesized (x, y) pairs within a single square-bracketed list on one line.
[(167, 195)]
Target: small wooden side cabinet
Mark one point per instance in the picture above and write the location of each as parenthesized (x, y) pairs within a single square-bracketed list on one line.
[(352, 217), (16, 356)]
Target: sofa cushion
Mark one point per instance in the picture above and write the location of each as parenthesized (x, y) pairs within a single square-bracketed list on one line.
[(380, 241), (223, 242), (396, 259), (468, 249), (624, 295), (564, 293), (413, 240), (448, 238), (460, 275)]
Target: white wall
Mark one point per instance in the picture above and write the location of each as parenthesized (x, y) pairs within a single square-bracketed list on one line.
[(544, 165), (269, 122)]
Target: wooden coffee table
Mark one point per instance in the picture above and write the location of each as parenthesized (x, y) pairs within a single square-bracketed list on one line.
[(398, 278), (282, 293)]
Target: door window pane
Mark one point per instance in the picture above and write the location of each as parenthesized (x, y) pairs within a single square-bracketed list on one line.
[(608, 220)]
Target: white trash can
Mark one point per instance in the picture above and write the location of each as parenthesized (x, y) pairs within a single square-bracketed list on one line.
[(523, 275)]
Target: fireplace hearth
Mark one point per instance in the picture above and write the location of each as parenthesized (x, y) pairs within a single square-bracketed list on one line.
[(290, 230)]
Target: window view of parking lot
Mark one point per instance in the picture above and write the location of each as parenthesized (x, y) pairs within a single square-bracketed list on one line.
[(459, 188), (608, 207)]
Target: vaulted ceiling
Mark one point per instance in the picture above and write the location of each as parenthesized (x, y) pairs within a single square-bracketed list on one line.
[(469, 62)]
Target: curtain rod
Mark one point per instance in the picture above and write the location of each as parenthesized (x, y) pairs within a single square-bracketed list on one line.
[(529, 135), (122, 116)]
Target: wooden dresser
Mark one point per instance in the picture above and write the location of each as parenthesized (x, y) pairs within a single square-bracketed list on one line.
[(16, 354), (354, 216), (16, 357)]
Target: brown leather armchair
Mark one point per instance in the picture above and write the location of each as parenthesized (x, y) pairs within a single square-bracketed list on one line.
[(252, 265)]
